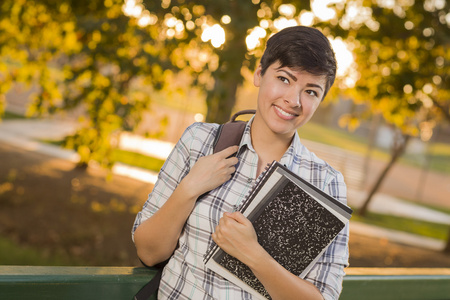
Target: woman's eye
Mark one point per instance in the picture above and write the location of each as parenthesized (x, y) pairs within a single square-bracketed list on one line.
[(283, 79), (312, 93)]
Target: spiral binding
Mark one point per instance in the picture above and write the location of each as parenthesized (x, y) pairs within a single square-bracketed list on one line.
[(269, 169)]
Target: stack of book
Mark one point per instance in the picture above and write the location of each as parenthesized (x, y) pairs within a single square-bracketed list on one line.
[(295, 222)]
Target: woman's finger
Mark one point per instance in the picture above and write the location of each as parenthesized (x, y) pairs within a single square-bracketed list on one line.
[(227, 152)]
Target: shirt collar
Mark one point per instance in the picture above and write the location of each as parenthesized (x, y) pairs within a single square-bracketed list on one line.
[(288, 156), (295, 147)]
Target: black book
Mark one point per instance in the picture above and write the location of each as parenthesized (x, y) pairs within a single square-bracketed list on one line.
[(295, 222)]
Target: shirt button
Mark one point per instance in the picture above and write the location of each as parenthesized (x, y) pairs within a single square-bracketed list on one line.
[(249, 180)]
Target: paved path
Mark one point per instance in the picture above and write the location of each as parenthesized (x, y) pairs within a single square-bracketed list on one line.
[(27, 133)]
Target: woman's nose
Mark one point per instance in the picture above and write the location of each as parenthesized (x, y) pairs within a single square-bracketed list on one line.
[(293, 99)]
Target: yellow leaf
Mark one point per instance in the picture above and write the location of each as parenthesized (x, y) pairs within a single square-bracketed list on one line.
[(96, 36)]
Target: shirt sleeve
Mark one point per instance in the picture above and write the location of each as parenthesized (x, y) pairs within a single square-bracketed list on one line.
[(175, 168), (328, 273)]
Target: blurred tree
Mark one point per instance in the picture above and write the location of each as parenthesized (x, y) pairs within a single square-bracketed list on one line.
[(211, 40), (402, 53), (101, 52), (108, 48)]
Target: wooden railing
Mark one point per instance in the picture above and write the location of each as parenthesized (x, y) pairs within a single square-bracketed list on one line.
[(31, 282)]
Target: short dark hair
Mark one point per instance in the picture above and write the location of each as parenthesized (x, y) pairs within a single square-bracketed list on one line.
[(303, 48)]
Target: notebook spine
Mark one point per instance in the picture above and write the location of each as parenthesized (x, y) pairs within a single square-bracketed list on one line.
[(258, 184)]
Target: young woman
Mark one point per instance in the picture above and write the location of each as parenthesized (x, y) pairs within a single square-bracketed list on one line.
[(191, 206)]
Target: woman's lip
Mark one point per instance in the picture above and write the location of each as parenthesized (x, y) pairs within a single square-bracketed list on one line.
[(284, 114)]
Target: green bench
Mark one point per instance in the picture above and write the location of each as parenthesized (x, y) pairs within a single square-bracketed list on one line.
[(396, 284), (30, 282)]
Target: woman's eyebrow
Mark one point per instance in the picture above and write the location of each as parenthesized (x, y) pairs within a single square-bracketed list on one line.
[(289, 74), (315, 85), (292, 76)]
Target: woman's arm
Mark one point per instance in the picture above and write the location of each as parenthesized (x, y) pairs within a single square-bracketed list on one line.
[(157, 237), (236, 236)]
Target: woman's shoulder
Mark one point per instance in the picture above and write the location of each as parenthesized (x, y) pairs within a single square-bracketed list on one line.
[(312, 161), (200, 129), (200, 136), (203, 126)]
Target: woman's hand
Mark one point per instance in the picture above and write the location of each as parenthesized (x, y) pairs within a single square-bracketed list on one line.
[(236, 235), (211, 171)]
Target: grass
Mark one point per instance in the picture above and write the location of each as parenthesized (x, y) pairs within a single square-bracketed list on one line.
[(126, 157), (438, 158), (444, 210), (438, 153), (12, 253), (333, 137), (419, 227), (9, 116), (137, 160)]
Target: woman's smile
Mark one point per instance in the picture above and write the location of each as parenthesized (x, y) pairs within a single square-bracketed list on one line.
[(284, 114)]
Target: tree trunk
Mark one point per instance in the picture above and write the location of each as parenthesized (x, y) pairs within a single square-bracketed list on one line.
[(221, 101), (447, 245), (374, 125), (445, 109), (398, 149)]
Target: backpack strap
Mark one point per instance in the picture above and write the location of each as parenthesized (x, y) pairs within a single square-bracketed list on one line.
[(150, 288), (230, 133)]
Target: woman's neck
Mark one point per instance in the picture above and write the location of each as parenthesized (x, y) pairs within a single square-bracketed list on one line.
[(268, 145)]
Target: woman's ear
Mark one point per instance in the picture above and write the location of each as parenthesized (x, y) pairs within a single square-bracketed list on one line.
[(257, 76)]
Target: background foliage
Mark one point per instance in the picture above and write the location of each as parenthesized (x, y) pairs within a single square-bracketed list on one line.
[(97, 56)]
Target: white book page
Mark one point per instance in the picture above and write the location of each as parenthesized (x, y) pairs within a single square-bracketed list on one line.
[(265, 189)]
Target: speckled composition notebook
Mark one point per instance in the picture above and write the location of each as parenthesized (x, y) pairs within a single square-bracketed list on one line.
[(294, 221)]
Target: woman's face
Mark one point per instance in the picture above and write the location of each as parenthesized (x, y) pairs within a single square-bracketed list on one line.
[(287, 98)]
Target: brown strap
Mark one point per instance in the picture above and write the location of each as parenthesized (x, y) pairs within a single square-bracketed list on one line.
[(230, 133), (242, 112)]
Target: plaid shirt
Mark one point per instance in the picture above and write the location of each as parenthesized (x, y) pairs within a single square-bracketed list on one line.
[(185, 276)]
